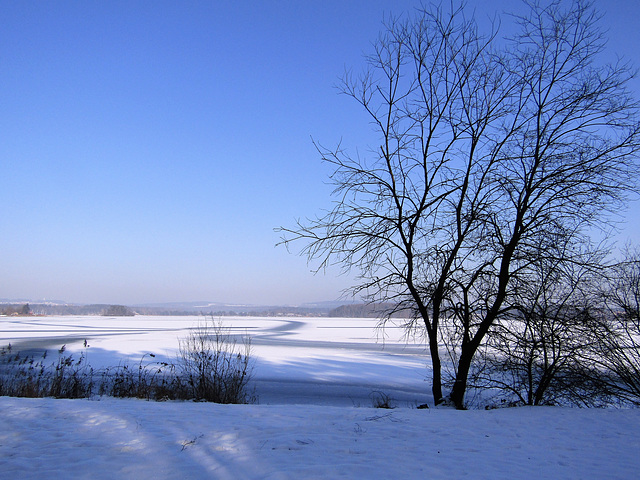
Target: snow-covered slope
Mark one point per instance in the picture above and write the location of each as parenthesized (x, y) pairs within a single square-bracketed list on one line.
[(134, 439)]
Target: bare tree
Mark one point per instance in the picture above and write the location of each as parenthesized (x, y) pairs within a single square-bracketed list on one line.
[(490, 151)]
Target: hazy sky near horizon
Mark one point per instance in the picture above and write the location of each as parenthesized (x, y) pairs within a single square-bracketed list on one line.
[(149, 149)]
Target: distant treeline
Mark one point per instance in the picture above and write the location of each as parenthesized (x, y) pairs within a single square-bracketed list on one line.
[(367, 310), (55, 309), (240, 312), (15, 309), (355, 310)]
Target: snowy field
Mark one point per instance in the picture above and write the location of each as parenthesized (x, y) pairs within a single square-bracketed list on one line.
[(313, 379)]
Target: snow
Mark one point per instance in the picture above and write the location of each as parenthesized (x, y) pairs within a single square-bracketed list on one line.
[(333, 361), (134, 439), (314, 419)]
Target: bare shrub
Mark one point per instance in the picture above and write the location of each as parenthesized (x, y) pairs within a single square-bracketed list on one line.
[(215, 364), (381, 400)]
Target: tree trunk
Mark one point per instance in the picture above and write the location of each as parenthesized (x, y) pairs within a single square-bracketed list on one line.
[(462, 374), (436, 386)]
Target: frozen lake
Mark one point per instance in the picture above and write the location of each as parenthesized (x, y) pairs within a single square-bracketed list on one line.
[(326, 361)]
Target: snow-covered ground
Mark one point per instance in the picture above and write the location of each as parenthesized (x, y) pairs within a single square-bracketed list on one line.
[(313, 378)]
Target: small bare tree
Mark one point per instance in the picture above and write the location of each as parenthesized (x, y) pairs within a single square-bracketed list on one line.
[(618, 330), (490, 153), (540, 352)]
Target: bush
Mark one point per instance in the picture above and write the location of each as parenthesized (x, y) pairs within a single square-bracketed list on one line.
[(215, 363), (381, 400)]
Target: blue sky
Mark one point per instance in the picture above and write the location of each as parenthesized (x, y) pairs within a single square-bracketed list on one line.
[(148, 149)]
